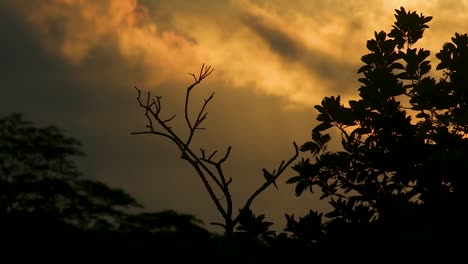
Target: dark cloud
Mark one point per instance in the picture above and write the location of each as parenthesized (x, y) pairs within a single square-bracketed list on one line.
[(31, 77), (278, 40), (167, 14), (338, 72)]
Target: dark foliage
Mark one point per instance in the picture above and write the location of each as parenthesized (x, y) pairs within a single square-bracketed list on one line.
[(50, 212), (399, 184), (38, 176)]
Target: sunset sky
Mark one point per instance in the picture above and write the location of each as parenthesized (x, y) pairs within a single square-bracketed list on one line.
[(74, 64)]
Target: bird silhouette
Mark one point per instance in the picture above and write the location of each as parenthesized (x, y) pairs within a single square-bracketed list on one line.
[(269, 177)]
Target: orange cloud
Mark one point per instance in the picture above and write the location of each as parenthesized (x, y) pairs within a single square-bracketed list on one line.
[(73, 28), (299, 51)]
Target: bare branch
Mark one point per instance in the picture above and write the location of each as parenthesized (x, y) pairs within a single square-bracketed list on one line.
[(147, 102), (202, 153), (204, 72), (200, 118), (211, 156), (155, 114), (157, 104), (187, 153), (187, 95), (155, 133), (223, 184), (283, 166), (169, 119), (200, 163), (209, 159), (281, 169), (150, 126), (225, 188), (193, 75), (225, 156), (280, 166), (196, 166)]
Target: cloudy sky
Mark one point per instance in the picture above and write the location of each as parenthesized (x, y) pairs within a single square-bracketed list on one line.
[(74, 64)]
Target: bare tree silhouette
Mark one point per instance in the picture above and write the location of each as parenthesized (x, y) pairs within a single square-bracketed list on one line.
[(209, 169)]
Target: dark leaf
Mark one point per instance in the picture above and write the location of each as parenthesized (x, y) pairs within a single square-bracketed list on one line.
[(294, 179), (322, 126), (309, 146), (301, 186), (365, 68)]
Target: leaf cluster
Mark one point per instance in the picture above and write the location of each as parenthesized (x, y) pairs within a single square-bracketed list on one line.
[(403, 141)]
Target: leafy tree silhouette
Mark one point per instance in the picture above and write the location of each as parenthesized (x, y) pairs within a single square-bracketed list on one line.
[(399, 182), (49, 209), (39, 177)]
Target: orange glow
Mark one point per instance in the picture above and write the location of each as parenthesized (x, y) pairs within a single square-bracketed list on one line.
[(241, 55)]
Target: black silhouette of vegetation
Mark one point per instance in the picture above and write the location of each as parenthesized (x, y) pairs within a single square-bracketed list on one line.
[(39, 178), (49, 209), (397, 187), (209, 169), (399, 183)]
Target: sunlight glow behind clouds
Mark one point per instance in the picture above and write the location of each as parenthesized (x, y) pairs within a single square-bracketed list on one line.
[(74, 28), (299, 51)]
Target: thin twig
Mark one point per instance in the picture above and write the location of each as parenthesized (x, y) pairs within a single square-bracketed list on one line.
[(267, 183)]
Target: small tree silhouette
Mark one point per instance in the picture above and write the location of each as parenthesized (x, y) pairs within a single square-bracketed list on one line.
[(207, 167)]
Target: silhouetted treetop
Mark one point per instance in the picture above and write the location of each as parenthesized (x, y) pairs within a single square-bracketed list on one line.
[(401, 172), (39, 176)]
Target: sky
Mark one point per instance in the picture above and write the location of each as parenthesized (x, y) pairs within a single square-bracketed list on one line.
[(74, 64)]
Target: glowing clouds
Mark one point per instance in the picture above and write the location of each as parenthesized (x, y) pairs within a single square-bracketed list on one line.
[(75, 28), (299, 51)]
